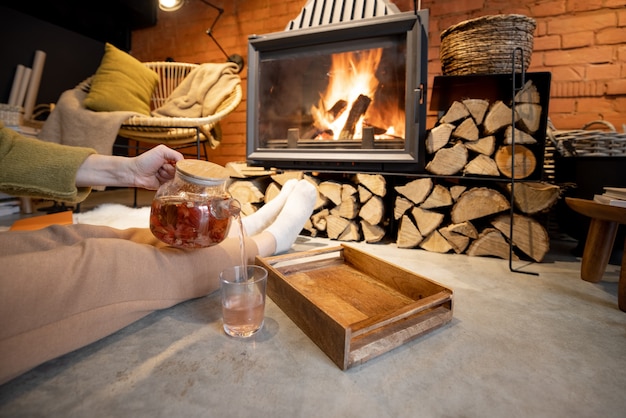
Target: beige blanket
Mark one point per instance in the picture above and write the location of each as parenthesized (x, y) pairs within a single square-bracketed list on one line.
[(201, 92), (70, 123)]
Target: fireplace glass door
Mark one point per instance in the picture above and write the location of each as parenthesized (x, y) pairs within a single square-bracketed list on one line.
[(339, 96)]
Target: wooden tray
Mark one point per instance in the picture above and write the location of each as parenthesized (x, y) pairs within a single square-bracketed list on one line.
[(352, 305)]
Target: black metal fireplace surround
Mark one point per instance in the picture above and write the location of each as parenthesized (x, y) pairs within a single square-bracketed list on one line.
[(379, 118)]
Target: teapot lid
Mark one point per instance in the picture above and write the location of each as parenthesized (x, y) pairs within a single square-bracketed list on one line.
[(205, 172)]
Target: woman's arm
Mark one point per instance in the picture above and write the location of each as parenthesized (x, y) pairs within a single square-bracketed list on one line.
[(148, 170)]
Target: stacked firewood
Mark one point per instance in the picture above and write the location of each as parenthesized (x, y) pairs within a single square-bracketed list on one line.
[(474, 137), (473, 220), (349, 209)]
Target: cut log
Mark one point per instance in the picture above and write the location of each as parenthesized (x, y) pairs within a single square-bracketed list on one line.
[(348, 208), (477, 108), (492, 243), (338, 108), (518, 166), (482, 166), (282, 178), (347, 191), (528, 234), (247, 208), (408, 234), (498, 117), (426, 220), (521, 137), (318, 219), (455, 112), (373, 210), (464, 228), (458, 242), (485, 145), (242, 170), (358, 109), (271, 191), (456, 191), (435, 243), (351, 233), (335, 225), (448, 161), (417, 190), (438, 137), (528, 94), (534, 197), (401, 206), (364, 194), (308, 226), (529, 116), (246, 191), (467, 130), (438, 198), (476, 203), (374, 182), (332, 190), (372, 233)]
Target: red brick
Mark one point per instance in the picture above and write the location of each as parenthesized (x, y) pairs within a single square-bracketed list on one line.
[(621, 18), (549, 8), (562, 105), (568, 73), (616, 87), (594, 55), (583, 22), (611, 36), (594, 105), (544, 43), (575, 6), (603, 72), (578, 39)]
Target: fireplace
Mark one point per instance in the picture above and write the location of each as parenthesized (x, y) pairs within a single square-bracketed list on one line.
[(344, 96)]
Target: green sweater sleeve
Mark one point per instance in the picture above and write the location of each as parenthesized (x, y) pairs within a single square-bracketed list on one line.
[(35, 168)]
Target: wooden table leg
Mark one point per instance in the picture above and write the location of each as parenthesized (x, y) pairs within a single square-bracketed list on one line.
[(621, 286), (598, 249)]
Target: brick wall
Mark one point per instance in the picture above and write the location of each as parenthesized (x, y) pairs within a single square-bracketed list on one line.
[(582, 43)]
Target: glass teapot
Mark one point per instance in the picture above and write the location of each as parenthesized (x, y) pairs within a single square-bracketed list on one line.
[(193, 210)]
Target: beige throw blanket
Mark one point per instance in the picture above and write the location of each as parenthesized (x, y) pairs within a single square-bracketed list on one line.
[(70, 123), (201, 92)]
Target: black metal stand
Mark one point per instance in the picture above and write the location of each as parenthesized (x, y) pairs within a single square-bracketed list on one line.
[(514, 90)]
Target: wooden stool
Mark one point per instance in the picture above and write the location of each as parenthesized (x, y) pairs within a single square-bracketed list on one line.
[(605, 220)]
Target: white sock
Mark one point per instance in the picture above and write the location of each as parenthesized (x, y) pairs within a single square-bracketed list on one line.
[(262, 218), (291, 219)]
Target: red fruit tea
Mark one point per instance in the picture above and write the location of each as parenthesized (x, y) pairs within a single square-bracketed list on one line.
[(188, 224)]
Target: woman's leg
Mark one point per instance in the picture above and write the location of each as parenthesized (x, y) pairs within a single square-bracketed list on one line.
[(64, 287), (57, 298)]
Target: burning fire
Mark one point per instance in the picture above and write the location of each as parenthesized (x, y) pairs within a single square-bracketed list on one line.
[(348, 103)]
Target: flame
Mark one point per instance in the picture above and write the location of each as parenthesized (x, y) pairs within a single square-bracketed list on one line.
[(353, 74)]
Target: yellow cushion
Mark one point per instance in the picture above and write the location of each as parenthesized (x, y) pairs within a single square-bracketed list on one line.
[(121, 83)]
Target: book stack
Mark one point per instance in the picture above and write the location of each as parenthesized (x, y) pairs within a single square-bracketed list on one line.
[(613, 196)]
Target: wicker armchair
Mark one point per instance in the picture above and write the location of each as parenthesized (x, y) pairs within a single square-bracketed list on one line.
[(177, 132)]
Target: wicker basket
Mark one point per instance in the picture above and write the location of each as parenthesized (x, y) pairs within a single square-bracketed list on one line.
[(485, 45), (587, 142)]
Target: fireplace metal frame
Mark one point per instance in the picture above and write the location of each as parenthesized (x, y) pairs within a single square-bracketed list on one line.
[(411, 27)]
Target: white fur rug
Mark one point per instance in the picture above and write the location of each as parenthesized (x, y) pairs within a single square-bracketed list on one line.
[(116, 216)]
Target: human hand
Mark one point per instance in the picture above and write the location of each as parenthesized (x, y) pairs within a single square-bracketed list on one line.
[(155, 167)]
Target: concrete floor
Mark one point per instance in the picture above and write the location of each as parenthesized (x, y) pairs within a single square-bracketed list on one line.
[(519, 345)]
